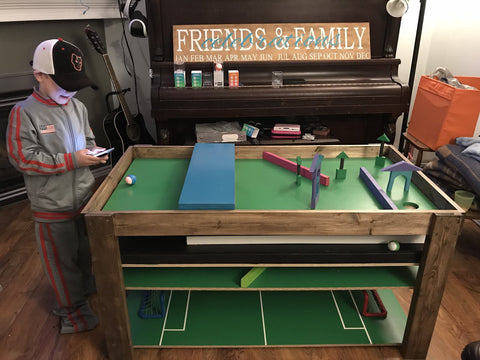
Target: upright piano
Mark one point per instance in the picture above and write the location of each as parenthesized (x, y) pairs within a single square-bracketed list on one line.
[(358, 100)]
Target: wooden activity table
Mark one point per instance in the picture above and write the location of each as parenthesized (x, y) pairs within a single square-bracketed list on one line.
[(141, 241)]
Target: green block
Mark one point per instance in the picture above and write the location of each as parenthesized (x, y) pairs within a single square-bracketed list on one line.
[(341, 174), (380, 161), (251, 276)]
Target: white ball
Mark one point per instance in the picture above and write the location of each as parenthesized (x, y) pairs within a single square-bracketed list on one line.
[(393, 246), (130, 179)]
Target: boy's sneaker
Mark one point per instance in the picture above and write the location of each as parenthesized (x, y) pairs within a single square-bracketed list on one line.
[(81, 319)]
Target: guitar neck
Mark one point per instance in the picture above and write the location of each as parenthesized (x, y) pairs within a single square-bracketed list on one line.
[(118, 89)]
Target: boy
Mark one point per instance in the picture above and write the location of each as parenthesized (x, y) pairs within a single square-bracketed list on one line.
[(48, 138)]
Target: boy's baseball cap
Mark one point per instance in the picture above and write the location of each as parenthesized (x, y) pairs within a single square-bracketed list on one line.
[(63, 61)]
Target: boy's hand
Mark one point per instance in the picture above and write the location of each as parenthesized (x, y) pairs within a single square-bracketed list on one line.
[(84, 159)]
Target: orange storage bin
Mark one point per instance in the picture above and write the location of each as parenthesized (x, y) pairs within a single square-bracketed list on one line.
[(442, 112)]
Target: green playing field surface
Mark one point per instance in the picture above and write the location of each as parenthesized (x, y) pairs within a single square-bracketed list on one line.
[(262, 185), (260, 318)]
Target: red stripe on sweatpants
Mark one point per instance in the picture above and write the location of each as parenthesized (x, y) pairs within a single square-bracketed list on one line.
[(67, 295), (57, 215), (47, 263), (62, 278)]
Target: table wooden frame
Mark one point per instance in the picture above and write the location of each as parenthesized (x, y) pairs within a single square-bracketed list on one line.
[(441, 228)]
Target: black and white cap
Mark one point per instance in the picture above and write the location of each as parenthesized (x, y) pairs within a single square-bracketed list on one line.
[(63, 61)]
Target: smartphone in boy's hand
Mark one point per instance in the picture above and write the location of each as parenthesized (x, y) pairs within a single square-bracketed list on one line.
[(99, 151), (104, 152)]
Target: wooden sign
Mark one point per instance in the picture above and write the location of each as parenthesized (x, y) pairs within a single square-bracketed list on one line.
[(271, 42)]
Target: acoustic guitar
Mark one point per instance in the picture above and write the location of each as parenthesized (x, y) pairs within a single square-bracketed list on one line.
[(121, 128)]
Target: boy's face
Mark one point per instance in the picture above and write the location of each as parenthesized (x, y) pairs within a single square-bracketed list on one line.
[(49, 88)]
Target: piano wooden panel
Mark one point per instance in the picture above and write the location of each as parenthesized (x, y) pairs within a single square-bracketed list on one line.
[(358, 100)]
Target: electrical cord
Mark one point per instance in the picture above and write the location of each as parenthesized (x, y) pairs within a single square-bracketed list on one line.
[(122, 40)]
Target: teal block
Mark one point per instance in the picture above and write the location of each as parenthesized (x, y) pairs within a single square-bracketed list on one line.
[(393, 175), (210, 180)]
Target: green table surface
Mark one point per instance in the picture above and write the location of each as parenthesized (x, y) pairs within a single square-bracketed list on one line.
[(261, 185)]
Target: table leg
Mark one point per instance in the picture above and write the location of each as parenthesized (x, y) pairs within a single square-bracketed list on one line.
[(418, 162), (110, 286), (431, 279)]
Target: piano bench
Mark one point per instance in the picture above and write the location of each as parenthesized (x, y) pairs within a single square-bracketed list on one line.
[(411, 141)]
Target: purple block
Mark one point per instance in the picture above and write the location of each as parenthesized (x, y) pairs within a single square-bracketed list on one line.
[(376, 190), (315, 170)]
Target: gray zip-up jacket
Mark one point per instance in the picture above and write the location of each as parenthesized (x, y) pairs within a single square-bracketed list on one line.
[(42, 138)]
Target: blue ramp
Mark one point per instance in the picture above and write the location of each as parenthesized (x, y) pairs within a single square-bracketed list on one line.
[(210, 180)]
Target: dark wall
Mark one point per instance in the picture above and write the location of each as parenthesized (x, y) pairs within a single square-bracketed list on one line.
[(19, 40)]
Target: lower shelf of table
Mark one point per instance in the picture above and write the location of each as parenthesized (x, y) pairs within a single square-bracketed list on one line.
[(265, 318), (285, 278)]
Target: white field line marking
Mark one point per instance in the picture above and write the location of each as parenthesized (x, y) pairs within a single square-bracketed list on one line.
[(360, 317), (166, 317), (340, 315), (263, 319), (187, 306)]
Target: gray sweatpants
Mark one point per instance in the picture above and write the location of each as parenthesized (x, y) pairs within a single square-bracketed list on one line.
[(65, 253)]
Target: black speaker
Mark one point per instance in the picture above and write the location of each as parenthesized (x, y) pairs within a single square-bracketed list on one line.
[(137, 21)]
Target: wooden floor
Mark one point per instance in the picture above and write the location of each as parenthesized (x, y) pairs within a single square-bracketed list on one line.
[(28, 329)]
